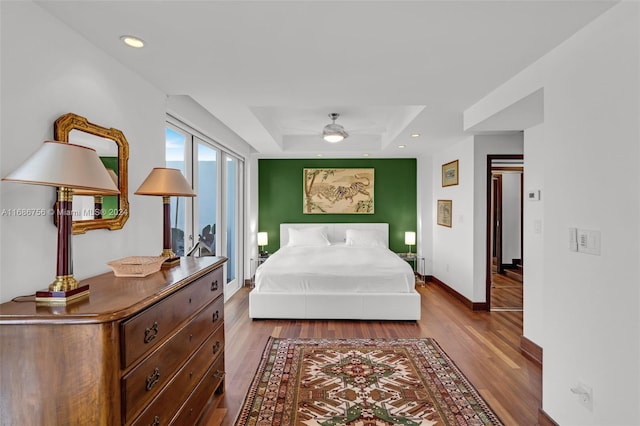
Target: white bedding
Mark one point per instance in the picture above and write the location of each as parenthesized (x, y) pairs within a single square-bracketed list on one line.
[(337, 268)]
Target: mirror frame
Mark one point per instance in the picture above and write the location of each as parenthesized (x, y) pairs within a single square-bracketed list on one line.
[(61, 129)]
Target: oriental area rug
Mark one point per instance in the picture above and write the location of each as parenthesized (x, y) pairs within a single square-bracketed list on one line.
[(360, 382)]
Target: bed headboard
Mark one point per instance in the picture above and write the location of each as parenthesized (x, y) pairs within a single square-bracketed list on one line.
[(335, 231)]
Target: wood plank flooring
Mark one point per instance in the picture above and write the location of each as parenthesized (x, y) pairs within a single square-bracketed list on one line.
[(506, 293), (484, 345)]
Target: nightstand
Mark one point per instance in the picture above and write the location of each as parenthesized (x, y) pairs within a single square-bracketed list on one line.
[(418, 264), (254, 266)]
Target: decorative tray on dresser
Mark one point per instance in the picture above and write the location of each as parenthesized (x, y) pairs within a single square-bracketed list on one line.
[(137, 351)]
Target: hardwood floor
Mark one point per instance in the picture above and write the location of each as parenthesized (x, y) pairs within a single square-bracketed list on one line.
[(506, 292), (485, 346)]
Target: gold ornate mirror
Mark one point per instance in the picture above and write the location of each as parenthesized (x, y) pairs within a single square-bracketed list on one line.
[(95, 211)]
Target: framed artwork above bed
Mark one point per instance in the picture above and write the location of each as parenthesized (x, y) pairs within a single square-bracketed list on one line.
[(338, 191)]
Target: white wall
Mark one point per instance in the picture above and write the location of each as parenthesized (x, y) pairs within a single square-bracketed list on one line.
[(510, 217), (460, 251), (589, 315), (453, 247), (483, 146), (190, 112), (49, 70), (533, 234), (424, 201)]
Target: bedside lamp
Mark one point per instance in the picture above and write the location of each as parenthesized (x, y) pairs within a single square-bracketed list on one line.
[(166, 182), (410, 239), (68, 167), (263, 240)]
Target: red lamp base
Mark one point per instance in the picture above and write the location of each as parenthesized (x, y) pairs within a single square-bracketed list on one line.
[(62, 297)]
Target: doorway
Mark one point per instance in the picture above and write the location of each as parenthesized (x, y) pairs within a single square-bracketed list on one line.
[(505, 260)]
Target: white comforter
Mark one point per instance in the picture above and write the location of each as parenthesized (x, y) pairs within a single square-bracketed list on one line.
[(334, 269)]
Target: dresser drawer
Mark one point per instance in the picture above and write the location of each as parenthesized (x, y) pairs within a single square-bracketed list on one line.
[(165, 406), (148, 329), (146, 380), (210, 383)]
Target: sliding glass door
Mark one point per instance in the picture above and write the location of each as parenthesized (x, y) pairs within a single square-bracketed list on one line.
[(213, 219), (231, 216), (177, 150), (206, 205)]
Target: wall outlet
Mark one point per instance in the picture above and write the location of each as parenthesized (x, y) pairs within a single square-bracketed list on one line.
[(584, 394)]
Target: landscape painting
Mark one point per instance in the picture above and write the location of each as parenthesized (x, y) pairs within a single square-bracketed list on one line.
[(338, 191)]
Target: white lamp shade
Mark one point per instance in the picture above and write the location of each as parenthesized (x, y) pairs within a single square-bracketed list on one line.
[(66, 165), (263, 238), (410, 238), (114, 178), (166, 182)]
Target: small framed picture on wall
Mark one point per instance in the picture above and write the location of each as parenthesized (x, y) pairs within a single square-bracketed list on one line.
[(444, 212), (450, 173)]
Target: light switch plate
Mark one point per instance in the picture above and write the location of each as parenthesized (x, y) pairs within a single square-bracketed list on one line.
[(589, 241)]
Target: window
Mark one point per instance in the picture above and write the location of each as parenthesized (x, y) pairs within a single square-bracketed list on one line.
[(231, 210), (175, 153), (213, 218)]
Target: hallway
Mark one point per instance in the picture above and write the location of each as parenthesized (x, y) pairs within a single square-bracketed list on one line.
[(507, 291)]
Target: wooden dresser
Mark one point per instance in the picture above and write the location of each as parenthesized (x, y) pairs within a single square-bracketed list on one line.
[(139, 351)]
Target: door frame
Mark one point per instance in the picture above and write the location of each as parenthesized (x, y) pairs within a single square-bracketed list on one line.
[(489, 186), (496, 221)]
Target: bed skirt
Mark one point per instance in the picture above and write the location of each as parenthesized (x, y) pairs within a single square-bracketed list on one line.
[(358, 306)]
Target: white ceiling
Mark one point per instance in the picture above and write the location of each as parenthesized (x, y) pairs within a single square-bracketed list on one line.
[(272, 71)]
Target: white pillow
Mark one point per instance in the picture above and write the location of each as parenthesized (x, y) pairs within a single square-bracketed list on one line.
[(365, 238), (309, 237)]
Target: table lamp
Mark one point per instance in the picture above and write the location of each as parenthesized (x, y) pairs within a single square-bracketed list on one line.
[(68, 167), (166, 182), (263, 240), (409, 239)]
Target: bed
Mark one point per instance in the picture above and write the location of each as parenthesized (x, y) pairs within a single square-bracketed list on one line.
[(334, 271)]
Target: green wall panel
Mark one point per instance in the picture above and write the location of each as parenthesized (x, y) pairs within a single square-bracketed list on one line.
[(280, 192), (110, 202)]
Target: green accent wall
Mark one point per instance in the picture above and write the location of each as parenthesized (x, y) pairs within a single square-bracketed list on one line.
[(110, 202), (280, 196)]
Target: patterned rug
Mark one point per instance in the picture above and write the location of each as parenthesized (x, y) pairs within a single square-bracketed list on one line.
[(360, 382)]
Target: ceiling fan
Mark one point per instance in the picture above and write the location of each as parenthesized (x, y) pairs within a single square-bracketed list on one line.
[(333, 132)]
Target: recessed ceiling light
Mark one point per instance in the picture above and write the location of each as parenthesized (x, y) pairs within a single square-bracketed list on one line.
[(402, 146), (318, 155), (415, 135), (365, 155), (132, 41)]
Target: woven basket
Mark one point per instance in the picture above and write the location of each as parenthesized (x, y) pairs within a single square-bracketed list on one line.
[(136, 266)]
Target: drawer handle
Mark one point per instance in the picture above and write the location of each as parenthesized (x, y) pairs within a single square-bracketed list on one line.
[(156, 421), (153, 378), (216, 347), (219, 374), (214, 285), (216, 316), (151, 332)]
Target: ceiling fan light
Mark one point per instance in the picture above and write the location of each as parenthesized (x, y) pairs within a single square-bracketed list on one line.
[(333, 138), (334, 133)]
